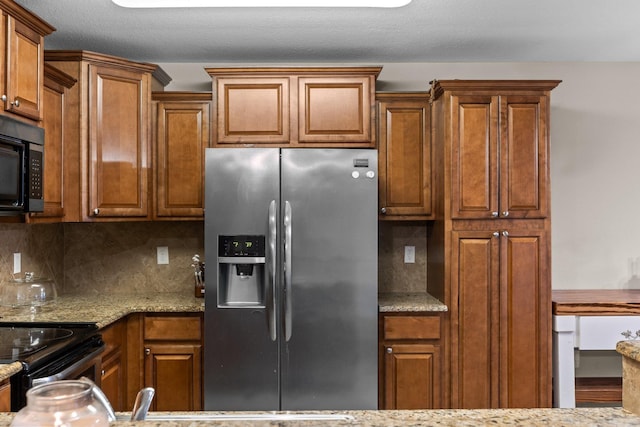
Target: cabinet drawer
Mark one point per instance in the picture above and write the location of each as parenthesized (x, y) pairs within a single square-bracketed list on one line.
[(182, 328), (411, 327), (604, 332)]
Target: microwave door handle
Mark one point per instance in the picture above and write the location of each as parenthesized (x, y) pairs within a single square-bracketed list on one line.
[(287, 271), (271, 260)]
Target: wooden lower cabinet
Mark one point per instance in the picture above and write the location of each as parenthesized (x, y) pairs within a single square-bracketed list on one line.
[(5, 396), (113, 378), (173, 361), (501, 324), (175, 372), (410, 361)]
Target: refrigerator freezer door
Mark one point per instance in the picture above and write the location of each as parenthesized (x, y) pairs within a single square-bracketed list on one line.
[(329, 361), (241, 355)]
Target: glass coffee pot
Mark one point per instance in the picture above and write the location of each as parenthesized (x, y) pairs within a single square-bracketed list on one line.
[(67, 403)]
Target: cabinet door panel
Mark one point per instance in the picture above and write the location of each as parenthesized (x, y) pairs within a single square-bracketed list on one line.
[(412, 373), (252, 110), (525, 321), (175, 371), (118, 146), (475, 269), (524, 156), (183, 135), (405, 158), (334, 109), (474, 156), (5, 396), (25, 79)]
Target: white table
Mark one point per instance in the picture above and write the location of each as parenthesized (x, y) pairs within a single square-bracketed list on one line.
[(588, 320)]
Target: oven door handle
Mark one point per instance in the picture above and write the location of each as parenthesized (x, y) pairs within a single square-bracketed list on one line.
[(63, 375)]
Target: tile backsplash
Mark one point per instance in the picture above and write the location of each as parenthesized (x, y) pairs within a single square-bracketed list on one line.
[(40, 248), (394, 275), (120, 257)]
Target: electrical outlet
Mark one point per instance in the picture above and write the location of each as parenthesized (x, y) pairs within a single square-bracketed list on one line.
[(409, 254), (163, 254), (17, 262)]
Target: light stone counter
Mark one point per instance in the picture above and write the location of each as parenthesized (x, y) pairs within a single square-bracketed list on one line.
[(104, 309), (495, 417), (406, 302)]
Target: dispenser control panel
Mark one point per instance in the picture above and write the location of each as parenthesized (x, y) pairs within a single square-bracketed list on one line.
[(241, 246)]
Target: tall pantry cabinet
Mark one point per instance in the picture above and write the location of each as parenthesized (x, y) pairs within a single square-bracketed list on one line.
[(489, 248)]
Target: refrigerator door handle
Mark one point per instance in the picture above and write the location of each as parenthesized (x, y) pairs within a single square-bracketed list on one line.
[(271, 244), (287, 271)]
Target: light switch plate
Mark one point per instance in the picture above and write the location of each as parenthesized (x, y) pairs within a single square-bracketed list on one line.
[(17, 262), (409, 254), (163, 254)]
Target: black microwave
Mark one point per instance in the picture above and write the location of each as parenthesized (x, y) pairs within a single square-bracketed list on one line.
[(21, 167)]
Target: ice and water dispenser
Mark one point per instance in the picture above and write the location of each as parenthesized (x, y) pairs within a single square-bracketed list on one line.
[(241, 269)]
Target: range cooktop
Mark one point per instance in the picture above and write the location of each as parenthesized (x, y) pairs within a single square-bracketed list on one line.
[(27, 342)]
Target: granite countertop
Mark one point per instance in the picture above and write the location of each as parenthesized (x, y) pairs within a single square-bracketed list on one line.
[(442, 417), (401, 302), (99, 309), (630, 349), (103, 310)]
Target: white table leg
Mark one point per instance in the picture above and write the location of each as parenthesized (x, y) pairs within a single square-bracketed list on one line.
[(564, 386)]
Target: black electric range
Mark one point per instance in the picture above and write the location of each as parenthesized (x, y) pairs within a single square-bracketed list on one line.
[(49, 352)]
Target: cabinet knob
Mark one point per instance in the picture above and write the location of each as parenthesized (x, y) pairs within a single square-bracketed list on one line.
[(96, 211), (102, 373), (494, 214), (147, 351), (4, 98), (389, 350), (505, 213), (383, 210), (505, 233), (16, 103), (496, 234)]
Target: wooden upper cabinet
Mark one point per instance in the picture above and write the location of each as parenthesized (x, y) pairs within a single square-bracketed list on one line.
[(118, 142), (252, 110), (404, 163), (335, 109), (328, 107), (499, 147), (21, 60), (182, 135), (54, 109), (108, 150)]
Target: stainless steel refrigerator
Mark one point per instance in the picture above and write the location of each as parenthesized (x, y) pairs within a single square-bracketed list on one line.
[(291, 286)]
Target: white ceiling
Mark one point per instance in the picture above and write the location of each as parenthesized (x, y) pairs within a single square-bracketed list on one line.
[(423, 31)]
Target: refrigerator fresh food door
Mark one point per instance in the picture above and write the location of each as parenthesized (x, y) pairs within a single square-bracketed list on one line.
[(241, 350), (330, 220)]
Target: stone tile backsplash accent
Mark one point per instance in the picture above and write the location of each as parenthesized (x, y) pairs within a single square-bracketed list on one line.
[(393, 274), (40, 248), (120, 257)]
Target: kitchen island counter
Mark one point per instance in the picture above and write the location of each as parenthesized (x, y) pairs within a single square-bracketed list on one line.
[(496, 417)]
